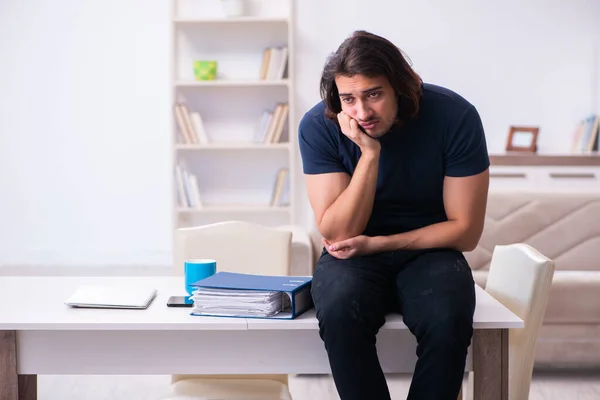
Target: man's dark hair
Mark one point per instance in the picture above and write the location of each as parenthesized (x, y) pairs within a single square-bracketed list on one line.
[(367, 54)]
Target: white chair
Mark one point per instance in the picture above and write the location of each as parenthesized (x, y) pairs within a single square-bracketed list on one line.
[(237, 247), (520, 277)]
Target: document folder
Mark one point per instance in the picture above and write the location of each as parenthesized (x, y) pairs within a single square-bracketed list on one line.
[(228, 294)]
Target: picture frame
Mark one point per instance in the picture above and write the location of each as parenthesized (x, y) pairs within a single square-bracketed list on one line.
[(522, 138)]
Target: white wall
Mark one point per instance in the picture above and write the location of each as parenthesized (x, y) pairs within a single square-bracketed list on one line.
[(85, 103), (84, 122)]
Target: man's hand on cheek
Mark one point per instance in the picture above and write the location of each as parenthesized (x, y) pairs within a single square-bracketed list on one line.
[(352, 130)]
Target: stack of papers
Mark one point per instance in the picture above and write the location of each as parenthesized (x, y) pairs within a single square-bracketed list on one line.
[(239, 303), (229, 294)]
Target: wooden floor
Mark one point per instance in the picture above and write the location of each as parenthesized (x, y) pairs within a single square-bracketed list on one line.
[(546, 385)]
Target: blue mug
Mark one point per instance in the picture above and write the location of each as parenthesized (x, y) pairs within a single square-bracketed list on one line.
[(197, 269)]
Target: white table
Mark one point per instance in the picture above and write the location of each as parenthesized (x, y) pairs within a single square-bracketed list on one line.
[(41, 335)]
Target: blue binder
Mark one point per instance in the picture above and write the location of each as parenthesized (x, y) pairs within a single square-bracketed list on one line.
[(296, 288)]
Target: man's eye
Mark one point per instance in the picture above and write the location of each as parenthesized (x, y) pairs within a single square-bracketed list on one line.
[(375, 94), (347, 100)]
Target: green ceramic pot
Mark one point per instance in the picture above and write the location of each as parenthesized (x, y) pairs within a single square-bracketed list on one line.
[(205, 70)]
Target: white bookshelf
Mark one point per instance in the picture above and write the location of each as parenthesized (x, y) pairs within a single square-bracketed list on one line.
[(233, 146), (231, 83), (228, 20), (235, 171)]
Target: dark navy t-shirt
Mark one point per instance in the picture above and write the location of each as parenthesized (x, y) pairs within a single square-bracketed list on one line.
[(446, 138)]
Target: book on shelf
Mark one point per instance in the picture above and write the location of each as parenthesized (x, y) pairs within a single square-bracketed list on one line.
[(271, 124), (274, 63), (280, 194), (585, 137), (188, 191), (190, 125)]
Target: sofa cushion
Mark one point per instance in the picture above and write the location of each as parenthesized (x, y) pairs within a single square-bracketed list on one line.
[(302, 257), (574, 297), (556, 224), (315, 238), (568, 346)]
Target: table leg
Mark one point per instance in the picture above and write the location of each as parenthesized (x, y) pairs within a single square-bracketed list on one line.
[(27, 387), (490, 364), (9, 388), (13, 386)]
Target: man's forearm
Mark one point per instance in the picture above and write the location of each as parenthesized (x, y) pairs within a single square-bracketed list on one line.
[(448, 234), (348, 215)]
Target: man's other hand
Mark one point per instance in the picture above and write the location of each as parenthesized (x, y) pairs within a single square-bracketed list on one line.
[(353, 247)]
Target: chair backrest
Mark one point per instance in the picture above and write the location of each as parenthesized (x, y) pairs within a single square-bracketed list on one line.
[(236, 246), (520, 277)]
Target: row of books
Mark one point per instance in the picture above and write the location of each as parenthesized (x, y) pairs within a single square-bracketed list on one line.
[(585, 137), (188, 190), (271, 124), (190, 125), (269, 128), (274, 63), (281, 189)]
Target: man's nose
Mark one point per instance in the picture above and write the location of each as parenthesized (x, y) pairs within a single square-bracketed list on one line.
[(363, 112)]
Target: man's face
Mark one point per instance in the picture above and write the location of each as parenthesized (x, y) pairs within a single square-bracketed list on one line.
[(370, 101)]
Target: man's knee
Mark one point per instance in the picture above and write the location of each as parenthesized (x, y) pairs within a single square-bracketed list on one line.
[(451, 330), (343, 305), (336, 304)]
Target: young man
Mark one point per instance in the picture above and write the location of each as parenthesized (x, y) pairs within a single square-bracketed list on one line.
[(397, 177)]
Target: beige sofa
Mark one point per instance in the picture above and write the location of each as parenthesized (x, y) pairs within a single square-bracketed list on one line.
[(566, 228)]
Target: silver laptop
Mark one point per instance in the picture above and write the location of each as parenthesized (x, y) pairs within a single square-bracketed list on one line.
[(95, 296)]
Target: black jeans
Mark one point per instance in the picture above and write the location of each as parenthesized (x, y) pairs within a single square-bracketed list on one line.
[(433, 290)]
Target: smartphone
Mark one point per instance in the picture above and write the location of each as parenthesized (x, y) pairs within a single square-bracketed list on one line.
[(180, 301)]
